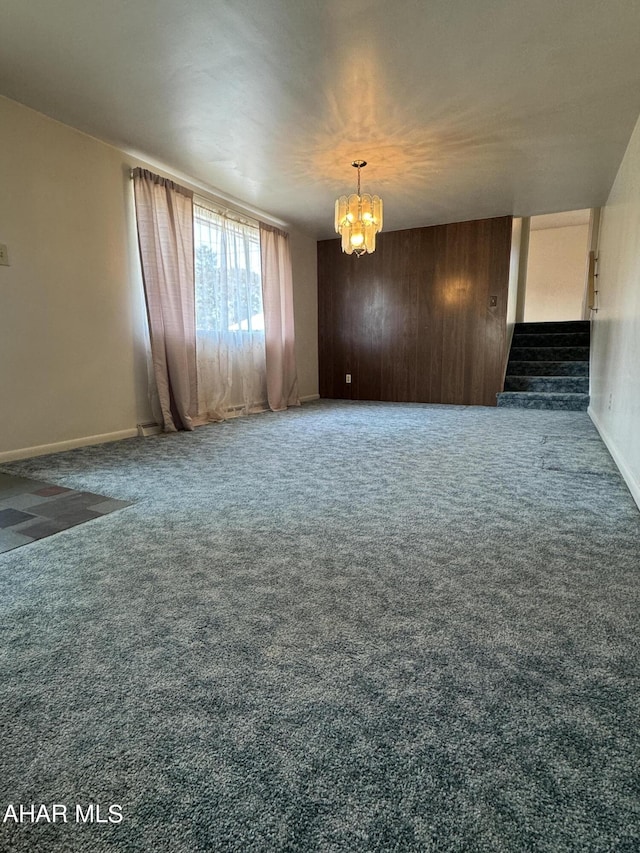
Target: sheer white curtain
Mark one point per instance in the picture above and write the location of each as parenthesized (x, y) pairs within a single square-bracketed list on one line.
[(229, 316)]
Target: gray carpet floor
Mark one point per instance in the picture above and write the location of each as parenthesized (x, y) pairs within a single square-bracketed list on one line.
[(346, 627)]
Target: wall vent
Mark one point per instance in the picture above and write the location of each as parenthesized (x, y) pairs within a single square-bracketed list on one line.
[(150, 428)]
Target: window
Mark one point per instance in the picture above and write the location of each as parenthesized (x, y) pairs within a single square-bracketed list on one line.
[(227, 274), (230, 344)]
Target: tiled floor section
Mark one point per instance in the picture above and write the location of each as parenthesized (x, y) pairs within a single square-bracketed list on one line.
[(31, 509)]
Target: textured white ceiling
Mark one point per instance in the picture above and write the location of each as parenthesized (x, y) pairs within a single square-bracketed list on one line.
[(462, 109)]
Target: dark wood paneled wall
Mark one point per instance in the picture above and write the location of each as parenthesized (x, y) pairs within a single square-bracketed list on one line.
[(414, 322)]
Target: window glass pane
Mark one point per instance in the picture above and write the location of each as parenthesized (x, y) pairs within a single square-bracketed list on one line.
[(227, 274)]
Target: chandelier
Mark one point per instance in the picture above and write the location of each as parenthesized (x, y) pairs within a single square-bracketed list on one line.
[(358, 219)]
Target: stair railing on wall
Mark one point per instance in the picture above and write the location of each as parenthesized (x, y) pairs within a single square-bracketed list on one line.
[(592, 275)]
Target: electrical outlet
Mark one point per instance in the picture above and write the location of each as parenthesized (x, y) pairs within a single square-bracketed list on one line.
[(4, 257), (347, 378)]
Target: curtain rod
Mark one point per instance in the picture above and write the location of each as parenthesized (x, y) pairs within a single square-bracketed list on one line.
[(222, 208), (225, 212)]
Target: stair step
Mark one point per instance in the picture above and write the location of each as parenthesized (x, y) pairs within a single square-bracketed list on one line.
[(553, 327), (548, 368), (549, 353), (557, 402), (555, 339), (548, 384)]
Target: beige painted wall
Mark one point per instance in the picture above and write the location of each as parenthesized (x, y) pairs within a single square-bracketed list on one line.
[(514, 268), (556, 272), (615, 348), (514, 274), (71, 353), (72, 317)]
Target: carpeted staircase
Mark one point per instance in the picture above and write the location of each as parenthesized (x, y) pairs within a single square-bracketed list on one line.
[(548, 367)]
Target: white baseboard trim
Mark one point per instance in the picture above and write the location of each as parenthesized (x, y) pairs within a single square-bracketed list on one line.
[(630, 480), (59, 446), (310, 398)]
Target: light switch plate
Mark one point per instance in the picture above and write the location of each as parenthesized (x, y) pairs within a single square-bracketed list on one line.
[(4, 255)]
